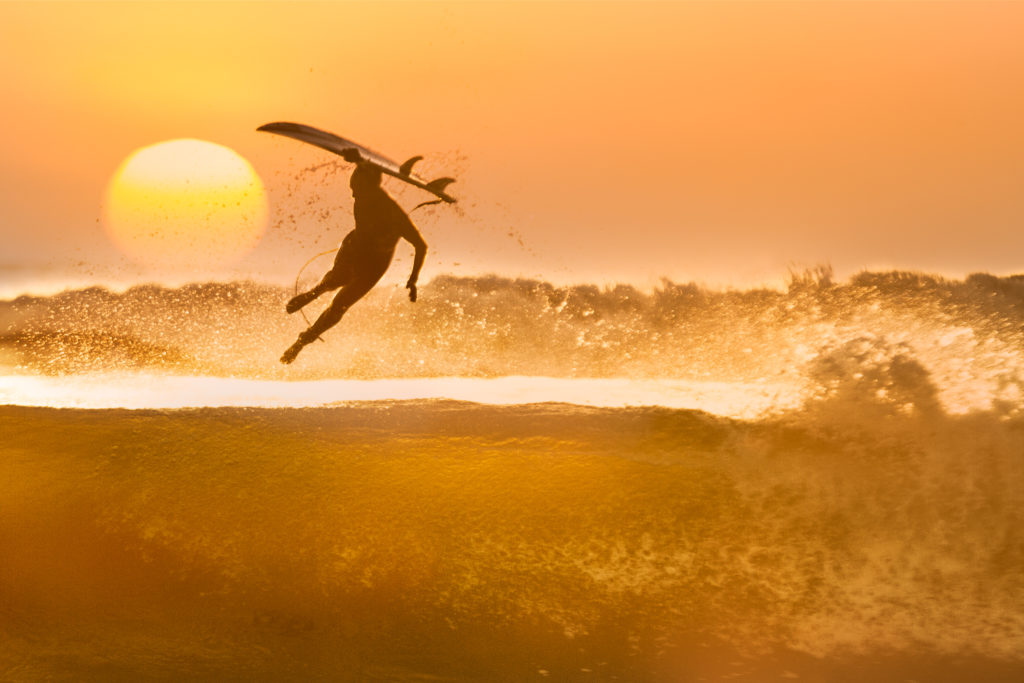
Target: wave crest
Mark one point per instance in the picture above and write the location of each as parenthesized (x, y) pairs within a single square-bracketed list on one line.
[(902, 330)]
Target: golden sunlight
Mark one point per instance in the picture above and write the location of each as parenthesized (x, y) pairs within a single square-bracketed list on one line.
[(185, 202)]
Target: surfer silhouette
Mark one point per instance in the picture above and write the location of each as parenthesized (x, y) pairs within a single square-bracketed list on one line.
[(365, 253)]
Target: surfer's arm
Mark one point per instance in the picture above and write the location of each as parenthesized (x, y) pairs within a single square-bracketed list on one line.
[(412, 235)]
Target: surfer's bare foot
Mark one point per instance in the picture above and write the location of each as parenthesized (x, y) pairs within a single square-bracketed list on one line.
[(297, 302), (288, 356)]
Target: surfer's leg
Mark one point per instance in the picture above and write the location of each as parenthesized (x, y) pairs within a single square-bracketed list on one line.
[(300, 300), (335, 277), (349, 294)]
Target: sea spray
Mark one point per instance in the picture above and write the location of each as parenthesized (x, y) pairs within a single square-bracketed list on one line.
[(967, 335)]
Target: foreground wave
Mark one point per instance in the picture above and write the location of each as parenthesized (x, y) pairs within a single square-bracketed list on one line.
[(435, 540)]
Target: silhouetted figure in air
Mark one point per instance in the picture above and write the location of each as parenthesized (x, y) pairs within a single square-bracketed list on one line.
[(365, 253)]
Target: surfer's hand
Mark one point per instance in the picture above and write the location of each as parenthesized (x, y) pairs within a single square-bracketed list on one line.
[(411, 286), (351, 155)]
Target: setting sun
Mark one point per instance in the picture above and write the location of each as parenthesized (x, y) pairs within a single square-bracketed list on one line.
[(185, 202)]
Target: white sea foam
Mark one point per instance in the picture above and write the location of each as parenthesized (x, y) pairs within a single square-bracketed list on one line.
[(155, 391)]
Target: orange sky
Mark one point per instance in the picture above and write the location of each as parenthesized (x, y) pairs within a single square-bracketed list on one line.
[(716, 141)]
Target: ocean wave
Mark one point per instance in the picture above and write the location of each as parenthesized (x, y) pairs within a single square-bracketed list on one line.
[(963, 338), (467, 542)]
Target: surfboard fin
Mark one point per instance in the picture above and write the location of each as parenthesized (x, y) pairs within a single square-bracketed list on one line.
[(406, 168), (439, 184)]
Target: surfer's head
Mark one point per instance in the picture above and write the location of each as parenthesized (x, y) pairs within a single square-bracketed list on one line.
[(351, 155), (365, 177)]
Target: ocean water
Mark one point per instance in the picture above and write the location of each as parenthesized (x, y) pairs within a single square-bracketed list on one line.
[(512, 481)]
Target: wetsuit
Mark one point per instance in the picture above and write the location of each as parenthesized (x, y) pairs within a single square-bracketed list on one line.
[(364, 256)]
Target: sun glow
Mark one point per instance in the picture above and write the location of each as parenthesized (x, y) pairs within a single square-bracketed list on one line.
[(185, 203)]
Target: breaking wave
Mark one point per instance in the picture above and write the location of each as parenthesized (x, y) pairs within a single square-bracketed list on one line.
[(923, 340)]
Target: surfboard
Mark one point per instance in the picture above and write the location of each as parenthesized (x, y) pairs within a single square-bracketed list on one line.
[(338, 144)]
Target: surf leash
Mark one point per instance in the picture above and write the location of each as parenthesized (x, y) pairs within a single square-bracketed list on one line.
[(299, 275), (427, 203)]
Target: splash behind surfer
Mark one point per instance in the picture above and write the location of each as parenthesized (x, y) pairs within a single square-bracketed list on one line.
[(365, 253)]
